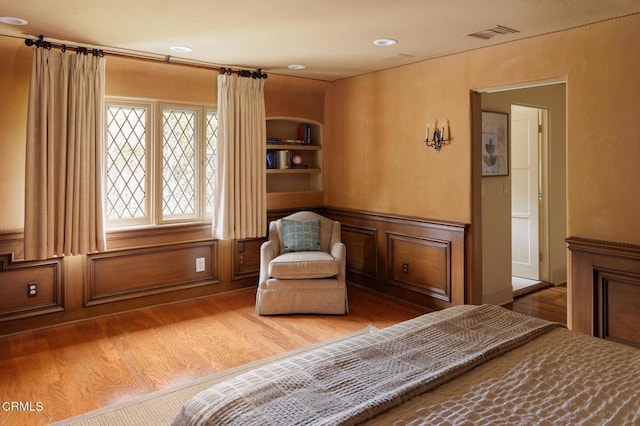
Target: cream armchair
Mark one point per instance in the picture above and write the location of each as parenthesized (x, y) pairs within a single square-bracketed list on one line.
[(302, 267)]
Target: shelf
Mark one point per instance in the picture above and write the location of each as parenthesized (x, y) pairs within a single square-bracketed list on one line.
[(292, 171), (294, 147), (294, 187)]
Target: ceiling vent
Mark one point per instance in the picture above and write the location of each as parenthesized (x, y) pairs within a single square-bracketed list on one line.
[(492, 32)]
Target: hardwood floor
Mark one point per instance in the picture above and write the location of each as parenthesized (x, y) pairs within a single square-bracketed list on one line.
[(549, 303), (71, 369), (63, 371)]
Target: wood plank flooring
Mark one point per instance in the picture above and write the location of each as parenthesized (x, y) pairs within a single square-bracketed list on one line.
[(69, 370), (549, 303), (63, 371)]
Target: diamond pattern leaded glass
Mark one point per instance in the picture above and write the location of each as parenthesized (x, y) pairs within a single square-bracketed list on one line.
[(211, 152), (126, 162), (178, 162)]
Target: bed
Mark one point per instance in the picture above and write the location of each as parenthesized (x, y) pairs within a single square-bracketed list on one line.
[(466, 364)]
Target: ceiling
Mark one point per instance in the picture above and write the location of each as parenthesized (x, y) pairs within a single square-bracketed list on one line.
[(333, 38)]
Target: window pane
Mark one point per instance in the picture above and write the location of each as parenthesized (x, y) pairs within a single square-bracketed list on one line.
[(178, 162), (126, 162), (210, 160)]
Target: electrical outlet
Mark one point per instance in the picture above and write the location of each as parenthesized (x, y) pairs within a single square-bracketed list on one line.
[(200, 265), (405, 267), (32, 289)]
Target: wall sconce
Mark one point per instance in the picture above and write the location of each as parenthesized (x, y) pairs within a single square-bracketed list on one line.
[(441, 135)]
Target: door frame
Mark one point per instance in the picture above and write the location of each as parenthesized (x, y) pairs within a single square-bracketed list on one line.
[(474, 262)]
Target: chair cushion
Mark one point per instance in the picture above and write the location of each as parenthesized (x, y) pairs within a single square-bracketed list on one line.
[(304, 264), (301, 235)]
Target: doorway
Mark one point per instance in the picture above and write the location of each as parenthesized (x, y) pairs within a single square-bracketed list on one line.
[(493, 194)]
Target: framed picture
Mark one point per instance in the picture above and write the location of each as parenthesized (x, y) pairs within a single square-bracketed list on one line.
[(495, 144)]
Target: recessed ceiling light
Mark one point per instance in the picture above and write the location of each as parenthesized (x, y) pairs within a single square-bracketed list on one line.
[(13, 21), (385, 42), (297, 67), (180, 49)]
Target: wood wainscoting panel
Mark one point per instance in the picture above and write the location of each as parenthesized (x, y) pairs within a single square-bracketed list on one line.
[(15, 276), (362, 254), (418, 260), (131, 273), (420, 264), (605, 289), (246, 258), (12, 241), (616, 298)]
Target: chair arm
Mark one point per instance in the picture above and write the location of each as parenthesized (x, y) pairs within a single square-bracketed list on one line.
[(339, 252), (268, 251)]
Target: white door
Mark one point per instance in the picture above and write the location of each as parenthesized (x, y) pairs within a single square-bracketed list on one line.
[(525, 252)]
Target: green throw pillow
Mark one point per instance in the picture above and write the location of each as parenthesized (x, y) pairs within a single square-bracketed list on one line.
[(301, 235)]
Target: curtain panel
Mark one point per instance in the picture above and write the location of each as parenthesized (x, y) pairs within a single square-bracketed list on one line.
[(64, 156), (240, 204)]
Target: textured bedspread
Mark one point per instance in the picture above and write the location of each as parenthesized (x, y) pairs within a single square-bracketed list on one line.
[(561, 378), (354, 380)]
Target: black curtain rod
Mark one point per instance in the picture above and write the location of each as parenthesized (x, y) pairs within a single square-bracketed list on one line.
[(42, 43), (245, 73)]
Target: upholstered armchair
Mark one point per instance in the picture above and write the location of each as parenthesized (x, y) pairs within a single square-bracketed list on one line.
[(302, 267)]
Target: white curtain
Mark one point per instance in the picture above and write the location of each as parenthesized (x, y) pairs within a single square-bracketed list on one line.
[(240, 207), (63, 185)]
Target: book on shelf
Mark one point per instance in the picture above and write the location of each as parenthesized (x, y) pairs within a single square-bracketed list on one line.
[(279, 141), (304, 134)]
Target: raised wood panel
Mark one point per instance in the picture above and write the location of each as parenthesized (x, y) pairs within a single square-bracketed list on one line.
[(132, 273), (617, 296), (605, 289), (74, 277), (361, 250), (12, 241), (14, 278), (246, 259), (435, 251), (420, 264)]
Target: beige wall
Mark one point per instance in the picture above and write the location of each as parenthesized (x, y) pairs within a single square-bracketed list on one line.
[(294, 97), (376, 158), (15, 73), (376, 124), (284, 96), (375, 127), (157, 80), (496, 205), (604, 131)]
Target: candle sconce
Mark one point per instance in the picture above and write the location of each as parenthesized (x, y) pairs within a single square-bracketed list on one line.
[(440, 135)]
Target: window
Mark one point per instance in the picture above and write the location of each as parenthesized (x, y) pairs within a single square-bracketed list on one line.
[(128, 142), (161, 176)]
